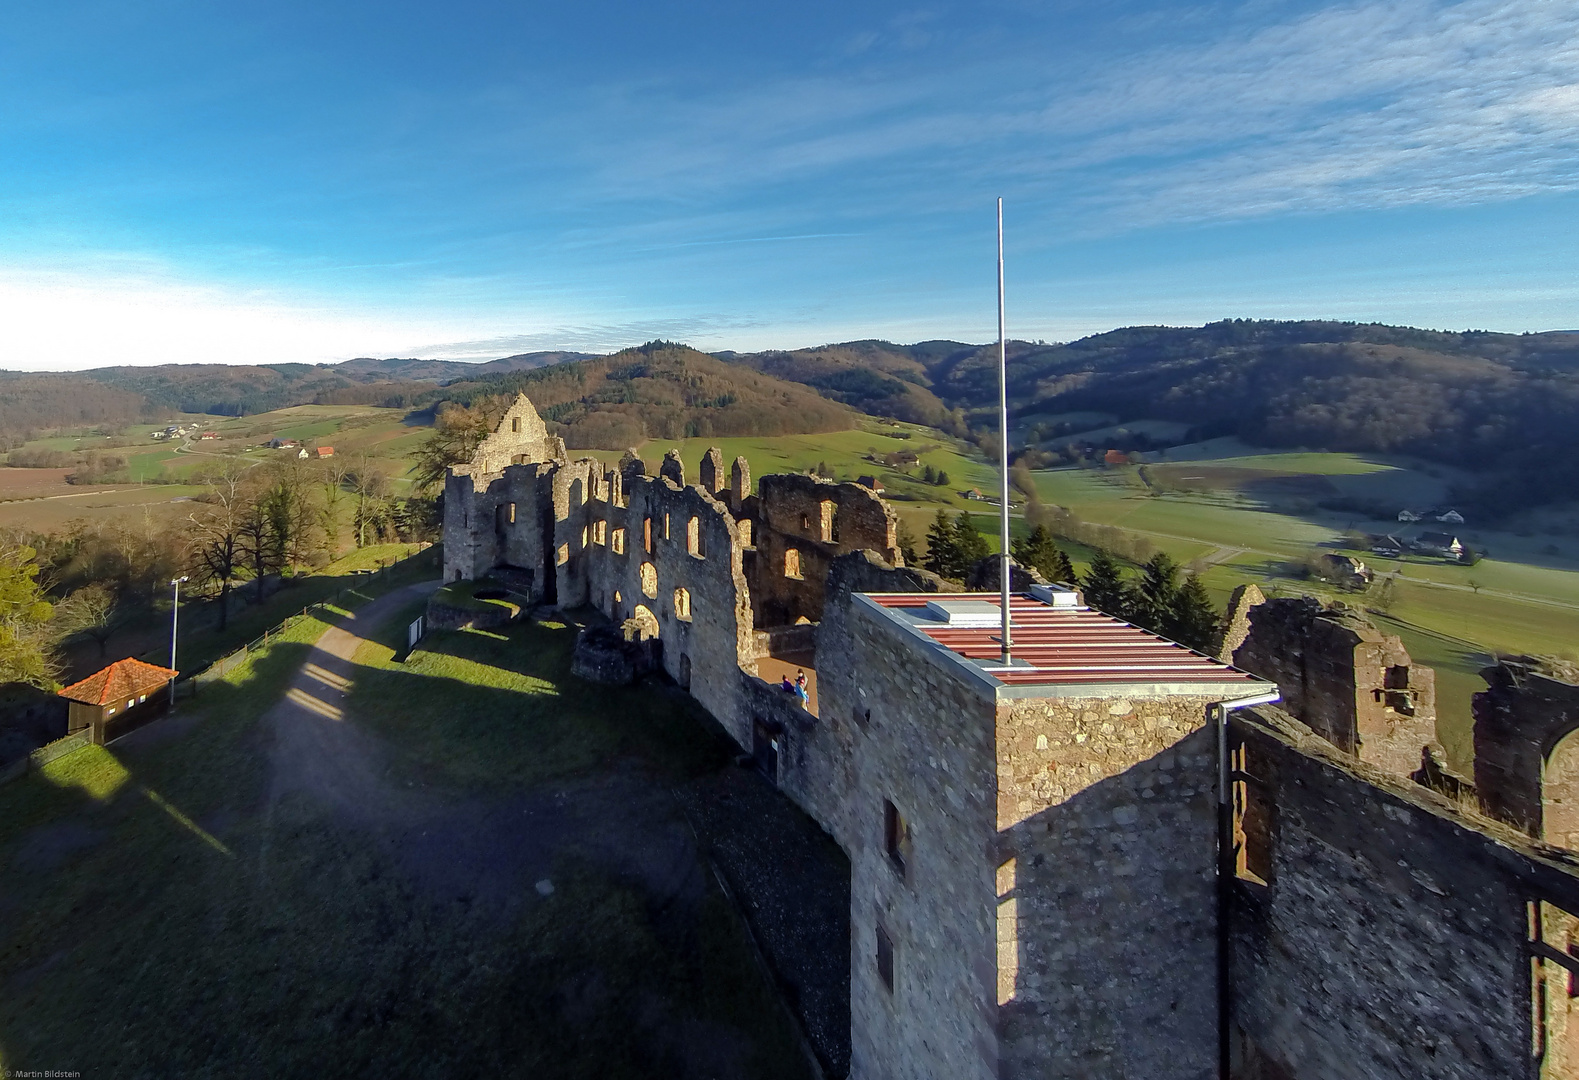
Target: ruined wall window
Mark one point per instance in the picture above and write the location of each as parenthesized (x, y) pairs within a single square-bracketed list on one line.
[(805, 523), (618, 542), (682, 604), (743, 531), (1252, 823), (666, 526), (585, 533), (600, 532), (515, 424), (829, 522), (885, 959), (693, 538), (896, 836), (649, 580), (562, 556), (792, 563), (646, 535), (510, 515)]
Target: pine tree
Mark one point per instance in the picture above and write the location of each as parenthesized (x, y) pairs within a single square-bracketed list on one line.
[(941, 480), (929, 475), (942, 547), (1159, 587), (1039, 551), (1193, 622), (1104, 584), (970, 546)]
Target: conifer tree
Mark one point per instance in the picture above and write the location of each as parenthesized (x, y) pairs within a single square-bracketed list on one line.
[(1104, 584), (970, 546), (1039, 551), (1193, 621), (942, 547), (905, 541), (1159, 587)]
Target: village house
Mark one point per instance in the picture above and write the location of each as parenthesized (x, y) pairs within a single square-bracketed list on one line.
[(1438, 543)]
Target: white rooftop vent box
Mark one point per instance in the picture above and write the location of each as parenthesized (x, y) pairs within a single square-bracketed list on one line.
[(1057, 596), (966, 614)]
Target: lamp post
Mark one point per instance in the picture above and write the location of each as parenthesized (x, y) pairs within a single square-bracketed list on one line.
[(175, 608)]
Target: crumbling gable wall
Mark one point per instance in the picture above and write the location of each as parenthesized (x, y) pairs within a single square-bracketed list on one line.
[(1525, 768), (520, 438), (804, 523), (1390, 940), (1349, 682)]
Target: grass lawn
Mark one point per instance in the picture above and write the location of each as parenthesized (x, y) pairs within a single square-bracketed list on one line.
[(509, 894)]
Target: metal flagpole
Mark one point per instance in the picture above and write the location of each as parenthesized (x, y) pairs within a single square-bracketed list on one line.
[(1003, 450)]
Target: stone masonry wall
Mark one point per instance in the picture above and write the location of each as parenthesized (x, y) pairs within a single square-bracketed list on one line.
[(793, 514), (1389, 942), (1106, 878), (1522, 719), (1349, 682), (922, 739), (704, 649)]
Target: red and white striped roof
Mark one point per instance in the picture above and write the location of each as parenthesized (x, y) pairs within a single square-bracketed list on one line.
[(1063, 646)]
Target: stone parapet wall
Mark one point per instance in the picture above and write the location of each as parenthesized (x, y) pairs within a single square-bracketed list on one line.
[(1390, 941), (1524, 768)]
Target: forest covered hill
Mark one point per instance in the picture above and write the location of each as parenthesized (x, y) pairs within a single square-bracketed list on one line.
[(1505, 406)]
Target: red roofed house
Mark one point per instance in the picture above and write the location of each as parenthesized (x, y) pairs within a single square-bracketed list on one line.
[(1115, 457), (326, 451), (112, 692)]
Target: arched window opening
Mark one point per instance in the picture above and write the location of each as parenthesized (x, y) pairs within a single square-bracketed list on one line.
[(693, 538), (792, 563), (682, 604), (618, 542), (829, 523), (646, 535), (649, 580), (600, 532)]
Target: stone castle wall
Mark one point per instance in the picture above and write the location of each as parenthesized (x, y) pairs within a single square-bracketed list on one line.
[(1525, 770), (1107, 833), (818, 520), (1353, 685), (1391, 939), (913, 735)]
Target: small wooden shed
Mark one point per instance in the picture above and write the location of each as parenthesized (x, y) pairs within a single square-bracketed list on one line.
[(110, 694)]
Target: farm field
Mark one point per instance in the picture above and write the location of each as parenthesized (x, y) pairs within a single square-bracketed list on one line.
[(493, 879)]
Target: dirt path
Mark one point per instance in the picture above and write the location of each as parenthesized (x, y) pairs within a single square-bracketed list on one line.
[(315, 749)]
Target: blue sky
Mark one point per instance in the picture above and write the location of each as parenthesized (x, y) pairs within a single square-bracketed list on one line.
[(313, 181)]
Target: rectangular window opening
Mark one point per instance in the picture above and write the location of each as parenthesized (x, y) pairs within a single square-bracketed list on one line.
[(1252, 813), (885, 959), (896, 835)]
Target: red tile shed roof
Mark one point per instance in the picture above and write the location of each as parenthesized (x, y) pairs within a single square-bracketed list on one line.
[(121, 681), (1063, 646)]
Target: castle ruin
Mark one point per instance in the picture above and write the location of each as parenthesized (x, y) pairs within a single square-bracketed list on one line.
[(1092, 863)]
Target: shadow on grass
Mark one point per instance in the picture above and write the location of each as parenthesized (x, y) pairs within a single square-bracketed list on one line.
[(538, 910)]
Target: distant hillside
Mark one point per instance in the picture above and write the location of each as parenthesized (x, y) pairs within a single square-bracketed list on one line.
[(873, 376), (661, 391), (29, 402)]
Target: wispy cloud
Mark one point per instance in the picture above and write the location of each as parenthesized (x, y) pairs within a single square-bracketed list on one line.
[(1352, 106)]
